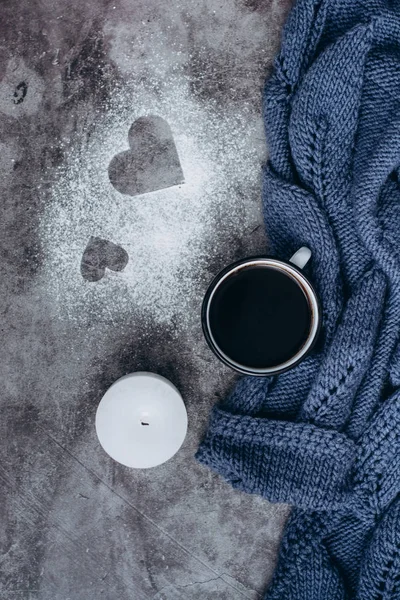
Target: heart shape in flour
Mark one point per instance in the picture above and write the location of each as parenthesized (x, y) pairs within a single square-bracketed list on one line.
[(100, 254), (152, 163)]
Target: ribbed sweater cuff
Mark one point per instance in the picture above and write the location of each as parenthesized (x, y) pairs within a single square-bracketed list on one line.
[(294, 463)]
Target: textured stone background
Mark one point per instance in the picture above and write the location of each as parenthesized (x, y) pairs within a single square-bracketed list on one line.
[(74, 76)]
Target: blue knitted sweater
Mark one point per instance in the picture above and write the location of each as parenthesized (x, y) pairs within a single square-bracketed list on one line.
[(325, 436)]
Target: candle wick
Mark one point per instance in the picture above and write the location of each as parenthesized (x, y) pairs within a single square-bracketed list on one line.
[(143, 423)]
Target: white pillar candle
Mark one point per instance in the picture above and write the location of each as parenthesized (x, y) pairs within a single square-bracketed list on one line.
[(141, 420)]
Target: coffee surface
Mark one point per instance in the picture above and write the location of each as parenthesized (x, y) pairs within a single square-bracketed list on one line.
[(260, 317)]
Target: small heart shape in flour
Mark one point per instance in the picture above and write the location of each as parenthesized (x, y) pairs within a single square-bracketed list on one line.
[(152, 163), (100, 254)]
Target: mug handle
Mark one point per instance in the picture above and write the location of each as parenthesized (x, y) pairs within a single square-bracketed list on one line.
[(301, 257)]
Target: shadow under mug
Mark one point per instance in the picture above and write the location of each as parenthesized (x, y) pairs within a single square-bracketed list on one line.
[(260, 315)]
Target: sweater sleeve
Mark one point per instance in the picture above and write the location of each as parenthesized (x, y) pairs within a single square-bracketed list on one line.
[(294, 463), (288, 441)]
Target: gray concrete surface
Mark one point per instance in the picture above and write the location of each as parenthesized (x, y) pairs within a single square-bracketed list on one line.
[(74, 78)]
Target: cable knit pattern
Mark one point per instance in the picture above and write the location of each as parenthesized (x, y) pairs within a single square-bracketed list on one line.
[(325, 436)]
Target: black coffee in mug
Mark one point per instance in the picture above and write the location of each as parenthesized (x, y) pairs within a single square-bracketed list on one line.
[(261, 315)]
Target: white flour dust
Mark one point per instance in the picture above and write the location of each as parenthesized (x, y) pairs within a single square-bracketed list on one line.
[(170, 235)]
